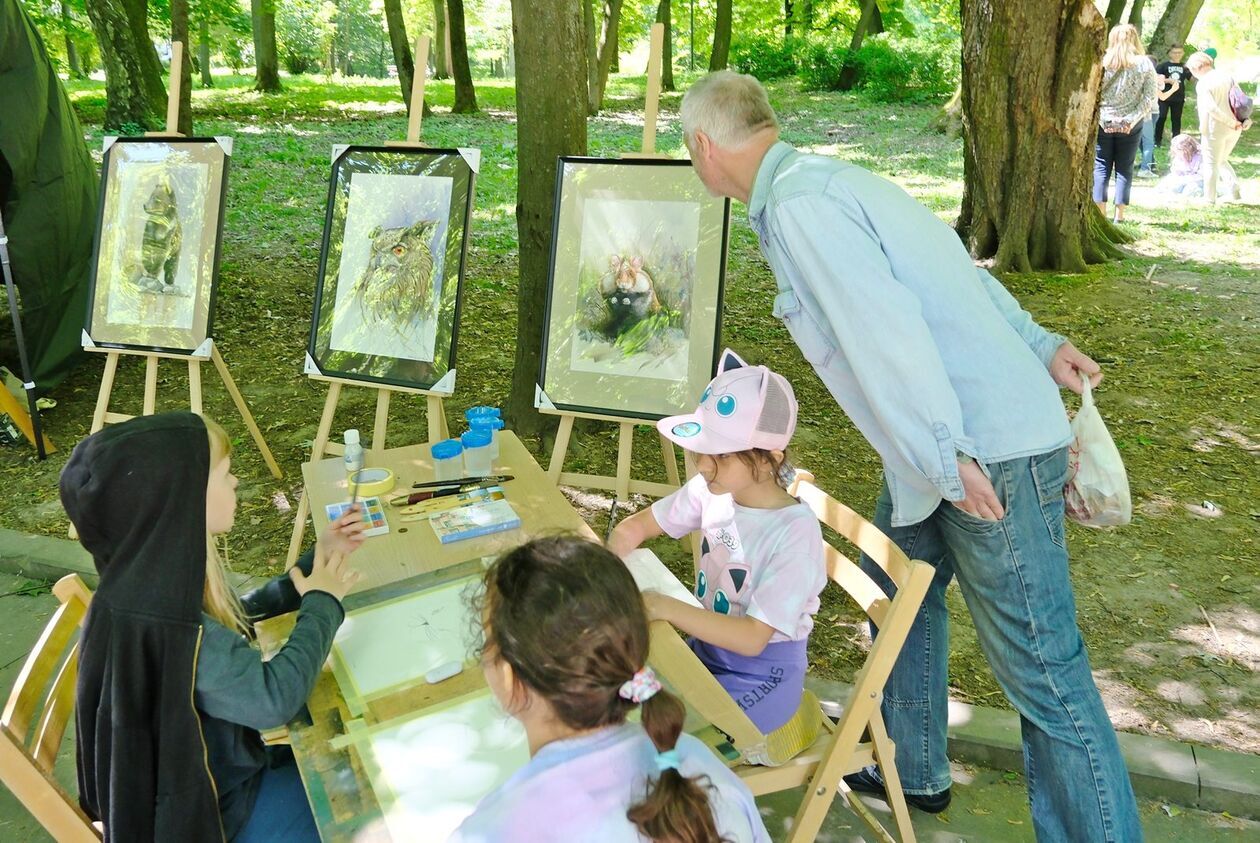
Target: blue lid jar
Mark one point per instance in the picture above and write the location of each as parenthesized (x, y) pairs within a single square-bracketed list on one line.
[(447, 449), (476, 439), (485, 423), (476, 412)]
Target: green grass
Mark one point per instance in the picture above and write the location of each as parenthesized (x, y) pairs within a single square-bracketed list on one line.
[(1174, 324)]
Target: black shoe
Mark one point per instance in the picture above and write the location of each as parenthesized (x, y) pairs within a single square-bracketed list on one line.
[(868, 781)]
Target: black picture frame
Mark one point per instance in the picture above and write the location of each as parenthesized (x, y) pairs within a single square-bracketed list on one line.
[(334, 314), (119, 248), (604, 394)]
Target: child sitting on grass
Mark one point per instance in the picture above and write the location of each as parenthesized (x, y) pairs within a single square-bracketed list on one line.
[(1185, 177)]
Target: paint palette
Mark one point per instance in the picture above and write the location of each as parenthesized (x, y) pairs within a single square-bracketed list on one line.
[(373, 515)]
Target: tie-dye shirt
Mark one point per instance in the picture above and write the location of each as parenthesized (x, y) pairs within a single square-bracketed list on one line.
[(760, 563)]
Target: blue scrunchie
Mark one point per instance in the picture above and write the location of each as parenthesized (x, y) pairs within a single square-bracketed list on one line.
[(667, 760)]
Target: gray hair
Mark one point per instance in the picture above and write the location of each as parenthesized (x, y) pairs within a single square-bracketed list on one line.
[(727, 106), (1199, 59)]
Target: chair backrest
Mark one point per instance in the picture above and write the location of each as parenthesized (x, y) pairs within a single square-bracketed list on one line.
[(37, 713)]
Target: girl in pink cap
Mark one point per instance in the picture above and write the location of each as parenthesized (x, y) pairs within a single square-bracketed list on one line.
[(762, 566)]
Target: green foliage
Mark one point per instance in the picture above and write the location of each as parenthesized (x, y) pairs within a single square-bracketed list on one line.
[(304, 32), (820, 65), (765, 56), (889, 68)]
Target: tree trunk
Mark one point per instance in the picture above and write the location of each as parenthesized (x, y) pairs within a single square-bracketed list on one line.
[(1135, 14), (948, 121), (404, 61), (72, 54), (849, 73), (667, 46), (266, 62), (788, 11), (591, 27), (612, 22), (550, 84), (179, 32), (1174, 26), (1029, 128), (203, 52), (441, 64), (465, 94), (134, 93), (1115, 11), (719, 58)]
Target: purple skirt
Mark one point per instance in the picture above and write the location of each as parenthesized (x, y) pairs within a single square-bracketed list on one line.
[(767, 687)]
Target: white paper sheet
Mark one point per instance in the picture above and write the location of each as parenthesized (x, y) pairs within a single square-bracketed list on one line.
[(432, 771), (650, 574)]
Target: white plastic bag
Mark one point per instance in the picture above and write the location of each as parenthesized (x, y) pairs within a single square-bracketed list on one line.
[(1097, 490)]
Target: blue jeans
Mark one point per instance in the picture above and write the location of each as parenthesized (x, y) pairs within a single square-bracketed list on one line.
[(1146, 145), (1115, 153), (281, 810), (1013, 575)]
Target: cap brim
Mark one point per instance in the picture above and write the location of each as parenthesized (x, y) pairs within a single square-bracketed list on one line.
[(703, 441)]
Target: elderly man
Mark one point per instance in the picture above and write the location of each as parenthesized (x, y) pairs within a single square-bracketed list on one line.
[(1219, 129), (954, 385)]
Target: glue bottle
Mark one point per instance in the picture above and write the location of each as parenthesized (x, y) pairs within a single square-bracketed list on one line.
[(353, 454)]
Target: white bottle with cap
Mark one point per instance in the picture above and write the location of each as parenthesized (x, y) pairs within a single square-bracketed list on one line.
[(353, 454)]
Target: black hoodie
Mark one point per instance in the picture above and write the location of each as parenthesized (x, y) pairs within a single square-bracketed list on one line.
[(136, 493)]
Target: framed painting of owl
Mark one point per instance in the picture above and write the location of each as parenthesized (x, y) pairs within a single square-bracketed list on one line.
[(392, 266), (633, 324), (156, 256)]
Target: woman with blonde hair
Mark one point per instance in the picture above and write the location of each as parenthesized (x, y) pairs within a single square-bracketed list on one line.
[(1129, 95), (170, 695)]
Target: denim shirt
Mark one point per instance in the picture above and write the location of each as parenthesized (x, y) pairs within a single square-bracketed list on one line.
[(929, 355)]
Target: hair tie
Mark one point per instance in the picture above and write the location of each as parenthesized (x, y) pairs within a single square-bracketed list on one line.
[(641, 687), (667, 760)]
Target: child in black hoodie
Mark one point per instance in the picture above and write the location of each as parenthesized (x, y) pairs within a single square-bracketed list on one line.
[(170, 694)]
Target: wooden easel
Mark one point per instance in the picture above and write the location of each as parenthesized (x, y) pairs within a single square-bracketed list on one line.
[(208, 351), (434, 407), (622, 485)]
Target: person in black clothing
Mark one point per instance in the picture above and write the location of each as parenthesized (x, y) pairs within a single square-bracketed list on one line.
[(1171, 70)]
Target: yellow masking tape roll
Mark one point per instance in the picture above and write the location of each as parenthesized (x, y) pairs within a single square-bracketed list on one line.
[(372, 482)]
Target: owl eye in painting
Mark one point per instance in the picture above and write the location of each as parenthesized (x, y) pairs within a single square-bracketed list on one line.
[(399, 250)]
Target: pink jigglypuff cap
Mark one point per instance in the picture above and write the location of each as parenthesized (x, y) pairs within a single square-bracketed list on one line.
[(744, 407)]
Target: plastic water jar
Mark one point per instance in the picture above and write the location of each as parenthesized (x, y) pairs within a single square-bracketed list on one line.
[(477, 460), (446, 459)]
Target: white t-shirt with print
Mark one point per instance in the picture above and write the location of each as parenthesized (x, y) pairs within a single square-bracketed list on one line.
[(766, 564)]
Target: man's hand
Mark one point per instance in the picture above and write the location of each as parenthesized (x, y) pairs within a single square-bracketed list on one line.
[(980, 501), (1069, 364)]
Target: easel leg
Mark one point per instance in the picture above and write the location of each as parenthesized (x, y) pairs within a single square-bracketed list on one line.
[(150, 386), (625, 444), (243, 408), (317, 453), (382, 421), (194, 385), (107, 386), (556, 467), (671, 461), (436, 412)]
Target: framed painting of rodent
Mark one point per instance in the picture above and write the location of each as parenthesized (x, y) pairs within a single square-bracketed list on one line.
[(391, 267), (634, 299), (156, 254)]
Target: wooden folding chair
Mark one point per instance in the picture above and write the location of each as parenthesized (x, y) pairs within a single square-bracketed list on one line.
[(859, 738), (35, 719)]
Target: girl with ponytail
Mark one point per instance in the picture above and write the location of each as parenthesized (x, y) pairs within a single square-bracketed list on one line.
[(566, 641)]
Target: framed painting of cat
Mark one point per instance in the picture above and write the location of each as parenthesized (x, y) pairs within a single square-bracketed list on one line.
[(391, 267), (634, 300), (156, 255)]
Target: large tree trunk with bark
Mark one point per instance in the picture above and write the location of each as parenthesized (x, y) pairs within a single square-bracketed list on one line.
[(266, 60), (404, 61), (1115, 11), (203, 53), (465, 94), (134, 92), (849, 73), (720, 56), (590, 25), (667, 46), (1031, 75), (1135, 14), (72, 53), (608, 49), (441, 61), (179, 32), (1174, 26), (550, 91)]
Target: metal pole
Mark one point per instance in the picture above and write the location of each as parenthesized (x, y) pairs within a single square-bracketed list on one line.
[(27, 383)]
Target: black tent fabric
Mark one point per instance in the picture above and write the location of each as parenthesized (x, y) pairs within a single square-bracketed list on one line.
[(48, 195)]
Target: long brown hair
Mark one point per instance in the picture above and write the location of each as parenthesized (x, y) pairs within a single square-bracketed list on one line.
[(567, 616), (219, 601)]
